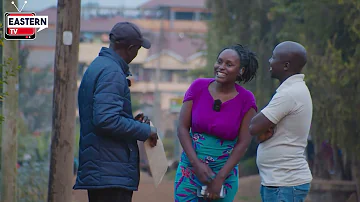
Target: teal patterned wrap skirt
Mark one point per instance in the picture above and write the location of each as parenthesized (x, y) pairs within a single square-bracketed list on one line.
[(214, 152)]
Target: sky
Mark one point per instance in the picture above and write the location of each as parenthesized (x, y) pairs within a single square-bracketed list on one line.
[(38, 5)]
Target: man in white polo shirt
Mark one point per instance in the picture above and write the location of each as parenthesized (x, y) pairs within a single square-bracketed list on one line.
[(283, 128)]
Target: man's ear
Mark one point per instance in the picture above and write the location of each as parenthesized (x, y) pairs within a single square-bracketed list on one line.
[(286, 66), (130, 47)]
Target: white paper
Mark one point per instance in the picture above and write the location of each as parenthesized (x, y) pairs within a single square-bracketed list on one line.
[(157, 160)]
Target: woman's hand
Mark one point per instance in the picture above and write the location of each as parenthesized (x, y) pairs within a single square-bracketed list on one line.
[(204, 173), (214, 188)]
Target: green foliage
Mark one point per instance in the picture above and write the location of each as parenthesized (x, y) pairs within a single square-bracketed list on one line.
[(169, 146), (330, 31), (33, 174), (10, 71), (32, 178), (7, 70), (38, 147), (33, 182), (331, 73), (35, 99), (234, 23), (248, 167)]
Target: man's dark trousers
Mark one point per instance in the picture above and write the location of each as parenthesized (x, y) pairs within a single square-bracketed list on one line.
[(110, 195)]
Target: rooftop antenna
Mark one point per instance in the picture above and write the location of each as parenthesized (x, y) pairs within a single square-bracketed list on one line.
[(13, 3)]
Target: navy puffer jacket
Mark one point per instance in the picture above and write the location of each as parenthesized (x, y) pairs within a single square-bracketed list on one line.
[(108, 153)]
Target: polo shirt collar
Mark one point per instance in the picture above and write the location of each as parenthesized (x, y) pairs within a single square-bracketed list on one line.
[(290, 81)]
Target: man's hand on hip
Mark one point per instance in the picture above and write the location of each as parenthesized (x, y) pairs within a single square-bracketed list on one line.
[(265, 136)]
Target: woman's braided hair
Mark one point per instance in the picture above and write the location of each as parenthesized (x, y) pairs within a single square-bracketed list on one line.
[(248, 61)]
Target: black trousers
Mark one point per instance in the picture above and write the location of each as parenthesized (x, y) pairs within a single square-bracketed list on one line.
[(110, 195)]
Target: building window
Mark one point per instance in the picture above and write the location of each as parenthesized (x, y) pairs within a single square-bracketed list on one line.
[(166, 76), (87, 37), (183, 76), (149, 75), (135, 70), (184, 15), (205, 16)]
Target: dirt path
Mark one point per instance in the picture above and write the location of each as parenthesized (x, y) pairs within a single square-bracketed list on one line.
[(248, 191)]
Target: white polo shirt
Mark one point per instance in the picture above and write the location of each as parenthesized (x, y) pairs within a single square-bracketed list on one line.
[(280, 159)]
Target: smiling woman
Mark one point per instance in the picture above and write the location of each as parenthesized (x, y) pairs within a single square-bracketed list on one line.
[(213, 128), (239, 61)]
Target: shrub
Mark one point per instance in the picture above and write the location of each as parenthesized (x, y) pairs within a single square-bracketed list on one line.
[(33, 182), (248, 167)]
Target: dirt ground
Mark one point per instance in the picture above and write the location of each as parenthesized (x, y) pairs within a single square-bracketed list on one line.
[(248, 191)]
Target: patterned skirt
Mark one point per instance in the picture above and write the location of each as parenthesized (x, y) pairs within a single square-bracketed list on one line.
[(214, 152)]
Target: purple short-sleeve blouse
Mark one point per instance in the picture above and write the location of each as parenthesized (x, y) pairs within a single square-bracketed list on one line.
[(224, 124)]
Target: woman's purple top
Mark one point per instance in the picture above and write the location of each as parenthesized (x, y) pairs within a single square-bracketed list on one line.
[(224, 124)]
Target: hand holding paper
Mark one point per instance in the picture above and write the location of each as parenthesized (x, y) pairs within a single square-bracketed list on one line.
[(153, 134), (153, 137), (156, 157)]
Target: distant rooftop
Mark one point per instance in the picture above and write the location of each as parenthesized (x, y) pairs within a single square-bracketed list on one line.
[(183, 46), (183, 39), (104, 24), (173, 3), (51, 12), (100, 24)]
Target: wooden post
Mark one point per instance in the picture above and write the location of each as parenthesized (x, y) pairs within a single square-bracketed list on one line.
[(65, 85), (10, 109), (1, 30), (1, 62)]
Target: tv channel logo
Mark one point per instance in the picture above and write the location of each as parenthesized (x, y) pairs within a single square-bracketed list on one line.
[(22, 25)]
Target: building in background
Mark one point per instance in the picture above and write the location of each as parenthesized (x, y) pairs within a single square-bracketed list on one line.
[(191, 10), (176, 29)]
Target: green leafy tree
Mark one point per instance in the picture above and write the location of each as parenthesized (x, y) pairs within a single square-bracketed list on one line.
[(248, 24), (329, 29), (12, 71), (334, 51), (35, 98)]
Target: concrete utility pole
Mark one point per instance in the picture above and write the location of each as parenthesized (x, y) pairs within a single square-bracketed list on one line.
[(10, 109), (65, 87), (157, 95)]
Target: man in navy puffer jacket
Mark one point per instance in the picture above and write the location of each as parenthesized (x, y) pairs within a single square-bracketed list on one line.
[(108, 153)]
